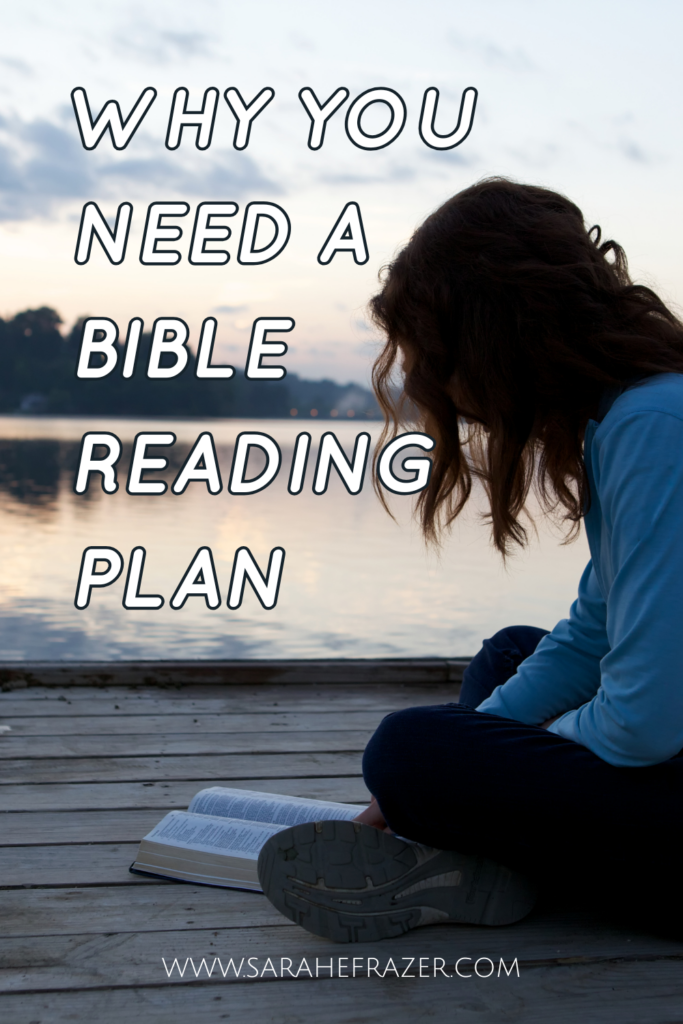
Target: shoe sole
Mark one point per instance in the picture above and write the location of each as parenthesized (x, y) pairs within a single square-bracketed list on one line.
[(352, 883)]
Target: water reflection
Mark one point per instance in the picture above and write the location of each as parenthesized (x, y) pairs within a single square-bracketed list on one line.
[(30, 471), (354, 584)]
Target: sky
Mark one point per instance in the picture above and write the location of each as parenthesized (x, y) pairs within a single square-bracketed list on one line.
[(583, 97)]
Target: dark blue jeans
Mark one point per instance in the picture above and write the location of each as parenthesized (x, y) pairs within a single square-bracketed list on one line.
[(459, 779)]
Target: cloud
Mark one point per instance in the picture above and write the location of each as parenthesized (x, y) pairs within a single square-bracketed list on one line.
[(229, 309), (15, 64), (633, 151), (493, 54), (302, 42), (43, 165), (615, 142), (216, 179), (446, 157), (154, 47), (396, 172), (364, 326), (40, 163), (535, 155)]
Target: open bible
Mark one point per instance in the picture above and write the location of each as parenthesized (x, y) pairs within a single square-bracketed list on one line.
[(217, 840)]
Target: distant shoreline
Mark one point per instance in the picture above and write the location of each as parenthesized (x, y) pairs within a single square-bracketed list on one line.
[(187, 417), (38, 377)]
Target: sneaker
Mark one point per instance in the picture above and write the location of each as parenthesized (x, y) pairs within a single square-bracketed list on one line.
[(350, 882)]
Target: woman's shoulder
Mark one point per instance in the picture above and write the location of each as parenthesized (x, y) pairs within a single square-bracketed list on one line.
[(634, 454), (662, 393)]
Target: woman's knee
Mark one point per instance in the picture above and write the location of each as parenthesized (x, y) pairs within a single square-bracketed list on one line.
[(386, 754), (516, 641), (401, 746), (499, 658)]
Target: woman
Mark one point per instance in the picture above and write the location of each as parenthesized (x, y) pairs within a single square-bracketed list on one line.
[(535, 364)]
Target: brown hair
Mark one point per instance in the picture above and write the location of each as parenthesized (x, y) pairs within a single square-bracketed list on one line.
[(507, 309)]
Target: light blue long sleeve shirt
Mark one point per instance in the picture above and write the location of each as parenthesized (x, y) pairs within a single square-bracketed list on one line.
[(613, 670)]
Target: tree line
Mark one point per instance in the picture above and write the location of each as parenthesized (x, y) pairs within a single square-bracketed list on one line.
[(38, 376)]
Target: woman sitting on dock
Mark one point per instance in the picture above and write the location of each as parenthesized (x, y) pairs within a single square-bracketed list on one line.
[(536, 365)]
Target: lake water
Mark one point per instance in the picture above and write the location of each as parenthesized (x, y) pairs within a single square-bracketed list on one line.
[(355, 583)]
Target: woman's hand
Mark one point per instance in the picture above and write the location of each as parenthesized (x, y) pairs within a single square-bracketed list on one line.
[(373, 816)]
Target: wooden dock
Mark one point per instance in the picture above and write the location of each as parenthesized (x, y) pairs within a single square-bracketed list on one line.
[(95, 755)]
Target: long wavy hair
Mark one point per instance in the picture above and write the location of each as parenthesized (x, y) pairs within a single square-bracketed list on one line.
[(505, 309)]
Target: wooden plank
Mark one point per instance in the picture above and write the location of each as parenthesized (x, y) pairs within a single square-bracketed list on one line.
[(603, 993), (154, 908), (63, 827), (551, 933), (275, 721), (86, 864), (20, 828), (60, 827), (239, 700), (90, 796), (136, 958), (18, 690), (203, 768), (156, 744), (329, 671)]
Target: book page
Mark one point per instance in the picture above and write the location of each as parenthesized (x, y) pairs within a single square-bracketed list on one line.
[(232, 838), (268, 807)]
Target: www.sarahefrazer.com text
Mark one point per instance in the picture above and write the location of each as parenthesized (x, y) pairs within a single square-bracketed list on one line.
[(254, 967)]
